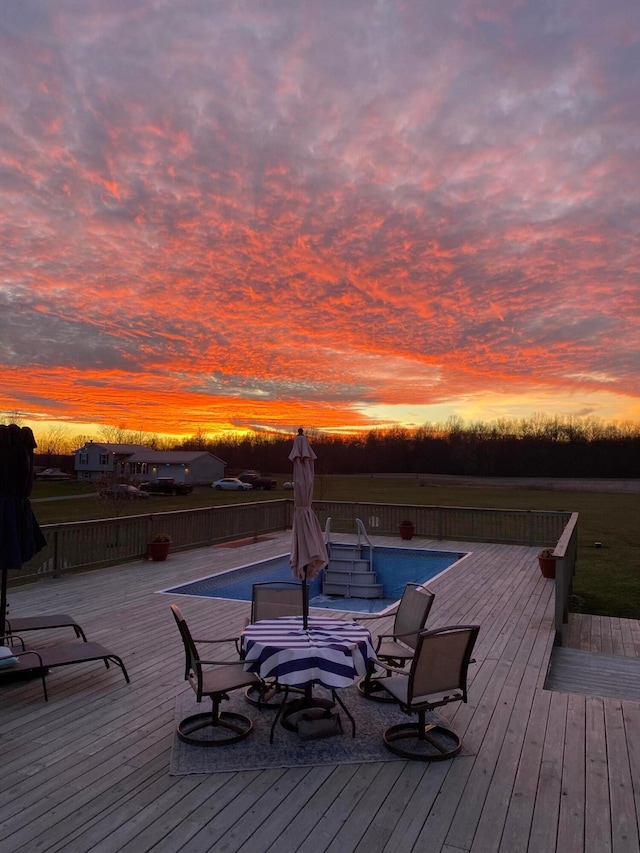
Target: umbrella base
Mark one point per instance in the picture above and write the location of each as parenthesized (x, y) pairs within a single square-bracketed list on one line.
[(290, 714), (293, 711)]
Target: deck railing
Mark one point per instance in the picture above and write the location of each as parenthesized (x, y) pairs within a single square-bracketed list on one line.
[(82, 545), (565, 554), (471, 524)]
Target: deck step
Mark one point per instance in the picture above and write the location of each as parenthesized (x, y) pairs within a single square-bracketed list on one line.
[(593, 674)]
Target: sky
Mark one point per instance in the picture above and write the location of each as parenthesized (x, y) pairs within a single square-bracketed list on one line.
[(339, 215)]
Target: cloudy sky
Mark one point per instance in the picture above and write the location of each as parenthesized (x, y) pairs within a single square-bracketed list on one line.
[(325, 213)]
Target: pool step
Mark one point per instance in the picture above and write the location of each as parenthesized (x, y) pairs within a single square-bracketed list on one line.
[(349, 574), (353, 590), (352, 566)]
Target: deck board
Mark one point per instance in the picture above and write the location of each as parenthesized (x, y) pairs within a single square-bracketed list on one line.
[(539, 770)]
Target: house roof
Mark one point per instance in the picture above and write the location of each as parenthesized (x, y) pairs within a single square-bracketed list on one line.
[(175, 457), (113, 448)]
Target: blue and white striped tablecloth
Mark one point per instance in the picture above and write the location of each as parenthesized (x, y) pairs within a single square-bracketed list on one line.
[(330, 652)]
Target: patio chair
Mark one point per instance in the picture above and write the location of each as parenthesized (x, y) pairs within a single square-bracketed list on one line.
[(438, 676), (272, 600), (43, 623), (40, 661), (398, 647), (221, 727)]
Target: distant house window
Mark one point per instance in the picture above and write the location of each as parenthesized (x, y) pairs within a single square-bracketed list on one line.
[(104, 459), (83, 459)]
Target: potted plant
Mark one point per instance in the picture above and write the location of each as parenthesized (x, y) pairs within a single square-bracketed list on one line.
[(407, 529), (547, 563), (158, 548)]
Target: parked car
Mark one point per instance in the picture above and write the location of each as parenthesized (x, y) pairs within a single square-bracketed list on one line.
[(257, 480), (51, 474), (123, 491), (166, 486), (232, 484)]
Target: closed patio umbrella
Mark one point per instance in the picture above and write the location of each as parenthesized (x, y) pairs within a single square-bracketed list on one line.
[(20, 534), (308, 550)]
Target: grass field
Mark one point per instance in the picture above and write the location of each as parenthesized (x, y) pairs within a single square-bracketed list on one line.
[(607, 579)]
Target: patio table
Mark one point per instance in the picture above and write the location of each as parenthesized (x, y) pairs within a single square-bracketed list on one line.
[(332, 653)]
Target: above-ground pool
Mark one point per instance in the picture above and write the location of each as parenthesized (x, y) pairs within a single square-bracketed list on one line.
[(393, 566)]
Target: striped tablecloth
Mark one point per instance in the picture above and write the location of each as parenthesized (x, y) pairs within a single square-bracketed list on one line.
[(330, 652)]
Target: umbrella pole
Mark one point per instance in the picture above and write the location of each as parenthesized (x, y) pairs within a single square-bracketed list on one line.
[(3, 603), (305, 600)]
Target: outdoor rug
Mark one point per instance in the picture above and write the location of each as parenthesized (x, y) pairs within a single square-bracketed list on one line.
[(288, 749)]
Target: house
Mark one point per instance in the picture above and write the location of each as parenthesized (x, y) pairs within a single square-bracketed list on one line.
[(97, 461), (185, 466)]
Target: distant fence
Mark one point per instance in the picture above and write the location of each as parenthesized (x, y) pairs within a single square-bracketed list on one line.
[(83, 545)]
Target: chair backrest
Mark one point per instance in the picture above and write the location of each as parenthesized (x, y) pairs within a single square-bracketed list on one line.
[(273, 599), (412, 612), (439, 667), (193, 668)]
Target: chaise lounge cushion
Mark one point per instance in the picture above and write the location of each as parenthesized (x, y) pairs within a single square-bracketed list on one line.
[(7, 657)]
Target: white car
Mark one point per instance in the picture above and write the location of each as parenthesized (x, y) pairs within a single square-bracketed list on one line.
[(232, 484)]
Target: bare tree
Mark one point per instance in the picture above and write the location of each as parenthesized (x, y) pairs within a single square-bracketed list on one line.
[(55, 441), (113, 434), (13, 417)]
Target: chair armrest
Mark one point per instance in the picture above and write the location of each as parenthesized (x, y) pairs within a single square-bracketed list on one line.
[(223, 640), (12, 637), (221, 662), (367, 617), (376, 662), (399, 636), (234, 640), (29, 652)]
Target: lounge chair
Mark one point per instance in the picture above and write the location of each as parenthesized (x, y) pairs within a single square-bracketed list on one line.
[(216, 684), (398, 647), (272, 600), (39, 661), (438, 676), (43, 623)]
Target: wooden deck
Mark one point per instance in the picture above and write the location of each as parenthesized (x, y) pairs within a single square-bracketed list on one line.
[(541, 770)]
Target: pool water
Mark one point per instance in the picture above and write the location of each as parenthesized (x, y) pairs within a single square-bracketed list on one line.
[(394, 567)]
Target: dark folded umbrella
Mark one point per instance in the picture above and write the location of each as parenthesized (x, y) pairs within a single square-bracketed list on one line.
[(20, 534)]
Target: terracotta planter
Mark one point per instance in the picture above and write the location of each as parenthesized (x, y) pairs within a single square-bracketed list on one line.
[(158, 551), (547, 566), (407, 531)]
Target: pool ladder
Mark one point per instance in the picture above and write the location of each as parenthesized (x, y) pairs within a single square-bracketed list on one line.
[(350, 569)]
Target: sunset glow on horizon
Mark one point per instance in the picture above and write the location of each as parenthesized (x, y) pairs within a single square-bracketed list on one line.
[(253, 216)]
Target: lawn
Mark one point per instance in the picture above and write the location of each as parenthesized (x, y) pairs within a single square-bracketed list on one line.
[(607, 579)]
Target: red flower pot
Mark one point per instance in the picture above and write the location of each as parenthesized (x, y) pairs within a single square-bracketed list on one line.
[(547, 566), (158, 551), (407, 531)]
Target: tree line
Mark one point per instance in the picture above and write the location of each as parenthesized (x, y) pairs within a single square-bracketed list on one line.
[(530, 447), (537, 446)]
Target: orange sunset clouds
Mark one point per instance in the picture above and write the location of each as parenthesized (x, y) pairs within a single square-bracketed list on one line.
[(344, 215)]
